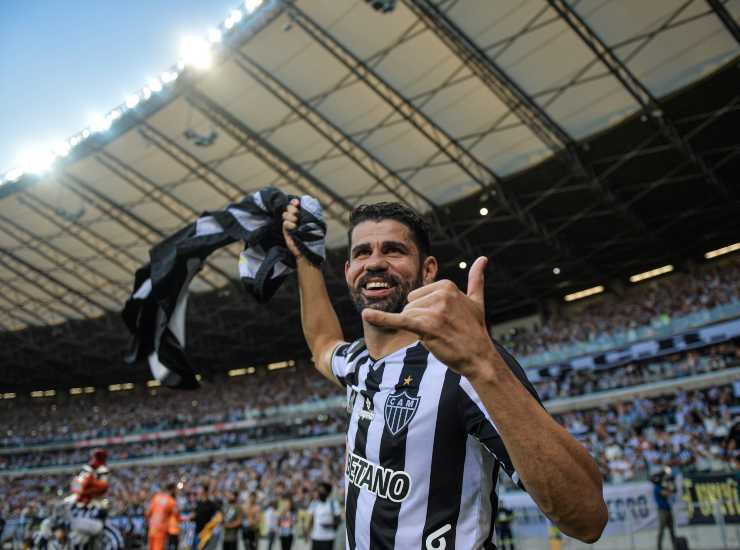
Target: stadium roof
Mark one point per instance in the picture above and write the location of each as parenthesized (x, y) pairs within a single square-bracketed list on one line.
[(601, 138)]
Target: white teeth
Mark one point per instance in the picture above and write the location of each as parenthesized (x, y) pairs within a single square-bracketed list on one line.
[(378, 284)]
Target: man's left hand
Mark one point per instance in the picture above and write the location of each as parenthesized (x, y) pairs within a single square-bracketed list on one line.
[(451, 324)]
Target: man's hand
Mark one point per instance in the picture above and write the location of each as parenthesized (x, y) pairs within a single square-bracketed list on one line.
[(450, 324), (290, 222)]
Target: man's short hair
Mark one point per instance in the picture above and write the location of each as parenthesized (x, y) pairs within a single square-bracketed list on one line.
[(393, 211)]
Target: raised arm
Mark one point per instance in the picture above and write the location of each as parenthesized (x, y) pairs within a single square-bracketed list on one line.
[(321, 327), (556, 470)]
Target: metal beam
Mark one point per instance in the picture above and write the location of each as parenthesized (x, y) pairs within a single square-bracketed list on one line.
[(375, 168), (52, 286), (726, 17), (635, 87), (523, 106), (336, 206), (164, 198), (93, 278), (143, 229), (449, 147)]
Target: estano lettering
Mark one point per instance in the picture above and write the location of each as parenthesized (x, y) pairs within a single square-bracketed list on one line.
[(384, 482)]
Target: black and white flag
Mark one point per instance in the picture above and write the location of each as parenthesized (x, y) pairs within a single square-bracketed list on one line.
[(155, 311)]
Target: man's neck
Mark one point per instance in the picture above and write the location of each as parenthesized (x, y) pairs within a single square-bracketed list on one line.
[(382, 342)]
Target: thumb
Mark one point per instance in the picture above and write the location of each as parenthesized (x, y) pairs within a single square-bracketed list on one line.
[(383, 319), (476, 280)]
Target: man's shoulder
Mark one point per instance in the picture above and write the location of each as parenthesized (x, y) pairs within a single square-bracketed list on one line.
[(350, 350)]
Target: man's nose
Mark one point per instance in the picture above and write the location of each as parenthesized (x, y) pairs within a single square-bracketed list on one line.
[(376, 262)]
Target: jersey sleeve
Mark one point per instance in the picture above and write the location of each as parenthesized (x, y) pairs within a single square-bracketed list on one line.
[(343, 363), (478, 422)]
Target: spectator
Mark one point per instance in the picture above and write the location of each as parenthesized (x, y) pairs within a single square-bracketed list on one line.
[(232, 521), (323, 518)]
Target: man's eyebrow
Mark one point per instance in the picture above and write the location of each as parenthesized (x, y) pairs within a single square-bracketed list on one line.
[(384, 244), (397, 244)]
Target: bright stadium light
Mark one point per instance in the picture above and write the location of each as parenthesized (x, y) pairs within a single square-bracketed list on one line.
[(132, 101), (484, 211), (89, 389), (196, 52), (14, 175), (650, 274), (153, 383), (62, 148), (251, 5), (146, 93), (99, 123), (37, 161), (114, 115), (462, 265), (280, 365), (556, 271), (233, 18), (214, 36), (237, 372), (168, 76), (9, 395), (85, 133), (722, 251), (75, 391), (584, 293), (155, 85)]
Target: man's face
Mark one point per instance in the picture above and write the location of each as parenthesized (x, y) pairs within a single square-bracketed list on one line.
[(385, 266)]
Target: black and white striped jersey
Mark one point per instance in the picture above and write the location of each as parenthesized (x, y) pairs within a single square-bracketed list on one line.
[(423, 455)]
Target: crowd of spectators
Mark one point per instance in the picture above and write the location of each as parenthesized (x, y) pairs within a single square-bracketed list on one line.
[(27, 421), (688, 430), (290, 474), (558, 383), (300, 428), (150, 410), (649, 304)]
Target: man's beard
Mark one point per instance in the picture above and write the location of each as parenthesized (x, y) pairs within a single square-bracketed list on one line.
[(394, 302)]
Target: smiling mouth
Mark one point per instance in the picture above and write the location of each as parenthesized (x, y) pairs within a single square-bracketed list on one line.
[(377, 289)]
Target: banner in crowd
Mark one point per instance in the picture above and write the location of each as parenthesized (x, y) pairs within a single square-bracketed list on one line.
[(706, 496), (631, 508)]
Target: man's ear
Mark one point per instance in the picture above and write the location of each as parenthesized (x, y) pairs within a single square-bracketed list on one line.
[(429, 270)]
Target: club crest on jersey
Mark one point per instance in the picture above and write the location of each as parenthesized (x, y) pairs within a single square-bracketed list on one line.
[(400, 408)]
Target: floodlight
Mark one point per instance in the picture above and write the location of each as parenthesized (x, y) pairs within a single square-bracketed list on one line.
[(85, 133), (584, 293), (114, 115), (14, 175), (196, 52), (146, 93), (650, 274), (37, 161), (484, 211), (462, 265), (168, 76), (155, 85), (62, 148), (722, 251), (99, 123), (251, 5), (132, 101)]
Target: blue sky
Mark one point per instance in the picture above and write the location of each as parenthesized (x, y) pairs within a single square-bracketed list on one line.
[(62, 61)]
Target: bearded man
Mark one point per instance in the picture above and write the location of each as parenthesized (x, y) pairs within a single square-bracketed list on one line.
[(436, 407)]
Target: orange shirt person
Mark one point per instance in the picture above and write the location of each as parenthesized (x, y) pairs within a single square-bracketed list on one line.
[(161, 510)]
